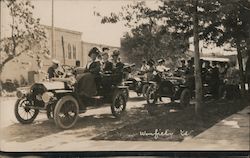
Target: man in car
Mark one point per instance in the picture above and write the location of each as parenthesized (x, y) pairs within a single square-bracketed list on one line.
[(53, 69), (117, 66), (107, 66)]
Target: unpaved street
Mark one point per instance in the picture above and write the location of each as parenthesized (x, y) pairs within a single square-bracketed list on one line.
[(42, 134)]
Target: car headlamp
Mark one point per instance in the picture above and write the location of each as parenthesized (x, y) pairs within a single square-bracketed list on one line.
[(21, 93), (47, 96)]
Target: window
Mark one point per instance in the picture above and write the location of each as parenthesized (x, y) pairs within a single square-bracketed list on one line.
[(74, 52), (69, 51)]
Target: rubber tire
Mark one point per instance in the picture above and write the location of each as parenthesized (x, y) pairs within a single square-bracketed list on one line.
[(117, 94), (148, 91), (185, 94), (58, 108), (144, 90), (19, 118)]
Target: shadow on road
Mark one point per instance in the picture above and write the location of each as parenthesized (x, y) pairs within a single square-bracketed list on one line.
[(172, 119), (86, 126)]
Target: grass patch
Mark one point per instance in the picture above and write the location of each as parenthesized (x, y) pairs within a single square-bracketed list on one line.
[(170, 123)]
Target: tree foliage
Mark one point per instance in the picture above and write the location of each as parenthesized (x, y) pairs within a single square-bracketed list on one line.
[(148, 37), (26, 32)]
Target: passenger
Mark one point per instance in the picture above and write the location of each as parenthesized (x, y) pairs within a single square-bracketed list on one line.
[(182, 69), (77, 69), (53, 71), (117, 67), (144, 66), (144, 69), (161, 67), (190, 67), (150, 70), (107, 66), (87, 82), (190, 79)]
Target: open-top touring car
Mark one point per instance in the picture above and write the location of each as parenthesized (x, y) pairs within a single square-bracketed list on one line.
[(62, 103), (172, 87)]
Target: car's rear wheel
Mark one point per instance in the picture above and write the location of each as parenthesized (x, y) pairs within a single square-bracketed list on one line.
[(118, 105), (66, 112), (23, 113), (185, 98), (151, 95), (144, 90)]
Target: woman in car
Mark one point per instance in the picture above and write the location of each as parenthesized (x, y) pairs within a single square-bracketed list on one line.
[(87, 82)]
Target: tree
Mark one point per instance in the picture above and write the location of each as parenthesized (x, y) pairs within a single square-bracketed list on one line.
[(147, 38), (26, 32), (220, 21)]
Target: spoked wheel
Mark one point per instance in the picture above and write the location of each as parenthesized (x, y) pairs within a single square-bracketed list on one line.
[(185, 98), (50, 112), (66, 112), (151, 95), (144, 90), (23, 113), (151, 100), (119, 104)]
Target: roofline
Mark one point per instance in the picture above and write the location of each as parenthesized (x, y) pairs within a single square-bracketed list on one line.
[(63, 29), (100, 44)]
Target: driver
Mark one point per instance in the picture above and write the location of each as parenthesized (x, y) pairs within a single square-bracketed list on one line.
[(53, 70), (87, 82)]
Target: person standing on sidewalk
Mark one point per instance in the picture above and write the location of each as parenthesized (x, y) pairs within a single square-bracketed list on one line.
[(232, 81)]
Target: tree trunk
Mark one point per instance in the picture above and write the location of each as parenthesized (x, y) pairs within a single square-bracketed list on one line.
[(242, 78), (198, 83)]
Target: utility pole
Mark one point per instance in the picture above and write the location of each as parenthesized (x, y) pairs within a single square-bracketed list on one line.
[(52, 33), (198, 83)]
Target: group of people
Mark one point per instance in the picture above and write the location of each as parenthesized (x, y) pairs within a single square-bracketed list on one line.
[(222, 78), (88, 77)]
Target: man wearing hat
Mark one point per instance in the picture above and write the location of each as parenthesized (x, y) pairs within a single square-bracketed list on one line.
[(52, 69), (88, 82), (107, 66), (161, 67), (117, 65)]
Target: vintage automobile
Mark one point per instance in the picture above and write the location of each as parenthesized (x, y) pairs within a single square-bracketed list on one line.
[(138, 84), (62, 103), (172, 87)]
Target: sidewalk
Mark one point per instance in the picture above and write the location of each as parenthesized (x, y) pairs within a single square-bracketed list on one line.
[(231, 133)]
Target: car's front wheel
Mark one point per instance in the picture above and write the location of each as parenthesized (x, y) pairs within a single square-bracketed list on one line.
[(24, 114), (118, 105), (151, 94), (66, 112)]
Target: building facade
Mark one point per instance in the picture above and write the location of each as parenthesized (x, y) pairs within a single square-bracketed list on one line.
[(68, 48)]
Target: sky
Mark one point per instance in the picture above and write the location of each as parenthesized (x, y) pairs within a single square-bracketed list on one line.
[(78, 15)]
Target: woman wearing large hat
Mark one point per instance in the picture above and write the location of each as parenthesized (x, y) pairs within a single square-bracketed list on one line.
[(88, 81)]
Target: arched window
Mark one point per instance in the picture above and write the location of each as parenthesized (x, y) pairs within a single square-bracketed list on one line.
[(74, 52), (69, 51)]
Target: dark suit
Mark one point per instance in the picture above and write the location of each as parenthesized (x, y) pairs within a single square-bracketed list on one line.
[(107, 66), (118, 72)]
